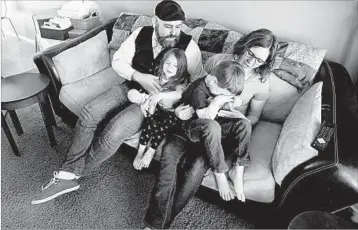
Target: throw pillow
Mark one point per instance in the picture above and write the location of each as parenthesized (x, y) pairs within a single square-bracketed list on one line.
[(93, 55), (123, 28), (297, 64), (293, 146)]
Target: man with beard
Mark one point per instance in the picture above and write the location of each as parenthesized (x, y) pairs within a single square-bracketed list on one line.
[(135, 61)]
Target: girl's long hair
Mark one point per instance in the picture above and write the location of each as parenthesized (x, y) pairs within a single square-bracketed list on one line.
[(181, 76), (261, 38)]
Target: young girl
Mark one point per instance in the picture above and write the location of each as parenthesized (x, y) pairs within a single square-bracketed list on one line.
[(159, 121)]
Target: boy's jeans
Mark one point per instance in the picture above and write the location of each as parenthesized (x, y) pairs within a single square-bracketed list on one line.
[(182, 169), (211, 133), (120, 119)]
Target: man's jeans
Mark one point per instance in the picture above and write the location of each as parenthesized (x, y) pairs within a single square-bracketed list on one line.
[(211, 132), (182, 169), (125, 119), (179, 178)]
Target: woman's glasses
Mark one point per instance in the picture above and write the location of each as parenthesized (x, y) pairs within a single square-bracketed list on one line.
[(251, 55)]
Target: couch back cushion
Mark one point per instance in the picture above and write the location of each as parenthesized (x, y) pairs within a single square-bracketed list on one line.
[(294, 68), (282, 97), (293, 146), (90, 57)]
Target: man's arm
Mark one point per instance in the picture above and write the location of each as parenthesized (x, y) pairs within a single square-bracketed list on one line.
[(122, 59), (195, 62)]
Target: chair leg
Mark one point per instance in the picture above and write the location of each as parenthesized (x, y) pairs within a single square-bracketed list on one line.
[(9, 136), (16, 122)]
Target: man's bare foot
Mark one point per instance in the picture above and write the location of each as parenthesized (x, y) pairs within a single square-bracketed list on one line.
[(236, 176), (223, 185), (138, 158), (147, 158)]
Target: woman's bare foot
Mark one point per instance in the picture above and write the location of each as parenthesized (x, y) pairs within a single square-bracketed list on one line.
[(223, 185), (147, 158), (236, 176), (138, 158)]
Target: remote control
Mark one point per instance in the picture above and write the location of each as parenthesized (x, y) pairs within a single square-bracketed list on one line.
[(324, 136)]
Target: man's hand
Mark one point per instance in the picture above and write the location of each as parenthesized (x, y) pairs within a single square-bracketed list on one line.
[(147, 81), (184, 112)]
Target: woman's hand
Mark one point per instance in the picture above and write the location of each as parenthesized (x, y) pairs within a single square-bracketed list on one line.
[(231, 114), (184, 112)]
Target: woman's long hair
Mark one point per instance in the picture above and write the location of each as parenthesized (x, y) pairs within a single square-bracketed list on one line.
[(261, 38), (182, 65)]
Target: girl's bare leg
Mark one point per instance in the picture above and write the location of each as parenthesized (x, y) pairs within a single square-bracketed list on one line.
[(138, 158)]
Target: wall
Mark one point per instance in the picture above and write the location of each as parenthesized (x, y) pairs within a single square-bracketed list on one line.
[(332, 25)]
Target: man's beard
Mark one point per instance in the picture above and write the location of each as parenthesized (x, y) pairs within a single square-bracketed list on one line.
[(163, 40)]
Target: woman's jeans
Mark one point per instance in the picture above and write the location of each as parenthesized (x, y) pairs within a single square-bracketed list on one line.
[(182, 169), (211, 132), (120, 119)]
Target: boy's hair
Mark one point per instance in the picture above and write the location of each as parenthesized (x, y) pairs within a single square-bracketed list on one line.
[(230, 75), (182, 66)]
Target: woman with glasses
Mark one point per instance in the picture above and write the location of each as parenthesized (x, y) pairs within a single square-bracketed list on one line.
[(182, 165)]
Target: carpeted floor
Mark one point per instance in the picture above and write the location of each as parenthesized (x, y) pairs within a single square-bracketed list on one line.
[(114, 196)]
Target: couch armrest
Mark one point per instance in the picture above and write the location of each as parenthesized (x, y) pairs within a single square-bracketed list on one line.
[(45, 64), (328, 181)]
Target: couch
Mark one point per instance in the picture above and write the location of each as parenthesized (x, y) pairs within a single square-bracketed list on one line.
[(80, 69)]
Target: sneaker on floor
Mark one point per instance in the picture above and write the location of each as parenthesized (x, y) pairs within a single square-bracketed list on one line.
[(54, 188)]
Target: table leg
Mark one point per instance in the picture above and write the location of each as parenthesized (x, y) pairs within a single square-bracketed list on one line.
[(46, 117), (9, 136), (50, 111), (16, 122)]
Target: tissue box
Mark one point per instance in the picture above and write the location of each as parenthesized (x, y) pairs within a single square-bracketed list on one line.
[(61, 34)]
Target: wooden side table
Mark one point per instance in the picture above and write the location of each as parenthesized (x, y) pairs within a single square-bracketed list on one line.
[(20, 91)]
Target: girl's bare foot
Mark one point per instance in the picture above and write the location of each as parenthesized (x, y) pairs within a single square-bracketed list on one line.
[(138, 158), (236, 176), (223, 185), (147, 158)]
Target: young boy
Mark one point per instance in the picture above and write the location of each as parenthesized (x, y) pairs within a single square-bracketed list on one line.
[(207, 96)]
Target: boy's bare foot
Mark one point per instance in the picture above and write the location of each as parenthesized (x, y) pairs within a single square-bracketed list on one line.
[(138, 158), (236, 176), (223, 185), (147, 158)]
